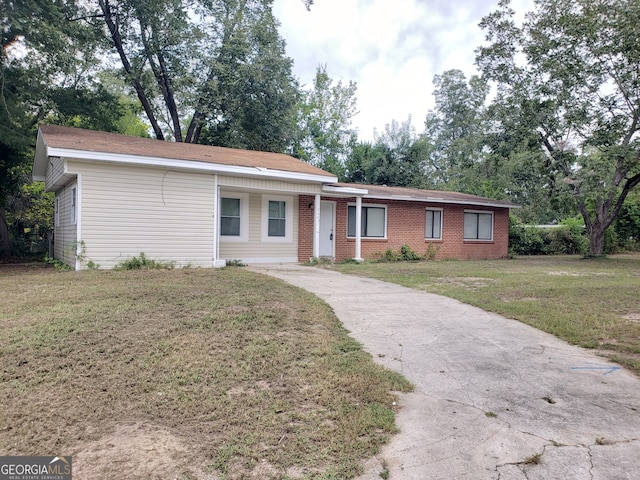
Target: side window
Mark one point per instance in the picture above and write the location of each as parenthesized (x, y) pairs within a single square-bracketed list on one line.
[(277, 218), (56, 212), (230, 217), (234, 217), (478, 225), (433, 224)]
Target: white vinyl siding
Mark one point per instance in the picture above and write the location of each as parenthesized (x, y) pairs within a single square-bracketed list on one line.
[(478, 225), (65, 231), (255, 250), (373, 221), (266, 185), (433, 224), (126, 210), (55, 170)]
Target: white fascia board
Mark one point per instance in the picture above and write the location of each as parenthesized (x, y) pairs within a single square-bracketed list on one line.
[(188, 165), (439, 200), (344, 191)]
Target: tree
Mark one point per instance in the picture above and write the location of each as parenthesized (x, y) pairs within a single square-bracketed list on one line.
[(214, 65), (396, 158), (325, 112), (455, 130), (44, 57), (571, 74)]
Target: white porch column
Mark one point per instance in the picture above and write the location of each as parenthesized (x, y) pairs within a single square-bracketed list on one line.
[(316, 227), (217, 263), (358, 257)]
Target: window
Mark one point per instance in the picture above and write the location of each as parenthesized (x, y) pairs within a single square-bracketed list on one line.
[(433, 225), (277, 218), (74, 216), (230, 217), (478, 226), (234, 217), (56, 214), (373, 221)]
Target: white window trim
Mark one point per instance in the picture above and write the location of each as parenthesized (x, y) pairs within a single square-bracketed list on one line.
[(288, 228), (486, 212), (244, 218), (365, 205), (441, 223)]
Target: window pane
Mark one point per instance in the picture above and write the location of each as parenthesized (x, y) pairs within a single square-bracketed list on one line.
[(277, 223), (351, 221), (276, 209), (277, 227), (230, 226), (230, 207), (437, 224), (374, 219), (484, 226), (434, 224), (471, 225)]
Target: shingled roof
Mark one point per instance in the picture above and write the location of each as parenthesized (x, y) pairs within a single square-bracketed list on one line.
[(382, 192), (58, 137)]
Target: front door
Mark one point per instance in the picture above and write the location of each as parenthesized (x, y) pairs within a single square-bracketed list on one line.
[(327, 227)]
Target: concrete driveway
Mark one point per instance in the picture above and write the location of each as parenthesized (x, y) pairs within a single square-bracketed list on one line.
[(494, 398)]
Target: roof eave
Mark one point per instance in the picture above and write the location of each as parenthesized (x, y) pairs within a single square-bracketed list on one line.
[(441, 200), (187, 165), (344, 191)]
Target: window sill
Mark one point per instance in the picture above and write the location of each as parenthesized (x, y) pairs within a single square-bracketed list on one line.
[(367, 239)]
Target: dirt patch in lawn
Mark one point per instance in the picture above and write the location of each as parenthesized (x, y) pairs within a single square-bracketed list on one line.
[(138, 450), (469, 282), (633, 316)]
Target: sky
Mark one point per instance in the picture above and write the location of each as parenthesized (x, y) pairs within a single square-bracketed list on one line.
[(391, 48)]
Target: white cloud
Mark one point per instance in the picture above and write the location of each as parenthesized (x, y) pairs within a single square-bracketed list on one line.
[(390, 48)]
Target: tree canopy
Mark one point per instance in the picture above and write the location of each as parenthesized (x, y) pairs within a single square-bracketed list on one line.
[(324, 116), (212, 66), (567, 83)]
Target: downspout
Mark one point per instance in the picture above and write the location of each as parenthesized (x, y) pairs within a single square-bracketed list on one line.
[(316, 227), (217, 263), (358, 257)]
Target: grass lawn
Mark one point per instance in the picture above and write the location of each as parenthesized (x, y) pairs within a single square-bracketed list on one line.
[(222, 374), (592, 303)]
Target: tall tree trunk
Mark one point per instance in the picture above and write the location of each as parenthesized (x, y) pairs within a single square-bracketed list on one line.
[(5, 244), (137, 85), (596, 239)]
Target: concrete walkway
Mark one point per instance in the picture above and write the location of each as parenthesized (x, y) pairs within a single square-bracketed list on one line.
[(494, 398)]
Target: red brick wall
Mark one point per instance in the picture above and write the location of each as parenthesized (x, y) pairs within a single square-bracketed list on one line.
[(406, 226), (305, 228)]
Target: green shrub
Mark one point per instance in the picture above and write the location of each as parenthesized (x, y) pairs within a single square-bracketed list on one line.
[(406, 254), (566, 239), (143, 263)]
